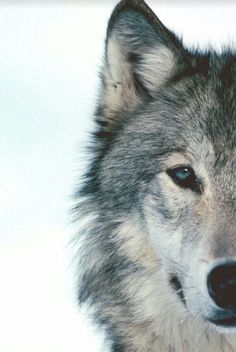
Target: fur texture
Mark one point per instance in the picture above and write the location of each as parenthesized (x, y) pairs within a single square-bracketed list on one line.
[(149, 242)]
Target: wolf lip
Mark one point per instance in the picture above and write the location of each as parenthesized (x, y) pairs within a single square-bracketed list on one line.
[(226, 322)]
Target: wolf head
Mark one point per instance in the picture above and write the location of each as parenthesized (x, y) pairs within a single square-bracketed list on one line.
[(164, 162)]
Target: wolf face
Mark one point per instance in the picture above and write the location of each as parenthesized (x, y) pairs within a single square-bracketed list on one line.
[(162, 189)]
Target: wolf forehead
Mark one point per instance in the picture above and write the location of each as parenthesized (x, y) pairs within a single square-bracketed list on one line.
[(194, 108)]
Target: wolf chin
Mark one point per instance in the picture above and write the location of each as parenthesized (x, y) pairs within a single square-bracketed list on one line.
[(157, 263)]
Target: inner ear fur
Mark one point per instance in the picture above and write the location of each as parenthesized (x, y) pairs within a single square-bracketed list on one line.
[(141, 56)]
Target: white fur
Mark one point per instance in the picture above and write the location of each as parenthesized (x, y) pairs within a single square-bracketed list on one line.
[(155, 67), (177, 329), (120, 91)]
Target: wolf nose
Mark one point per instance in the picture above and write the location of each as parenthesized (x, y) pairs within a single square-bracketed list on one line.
[(221, 283)]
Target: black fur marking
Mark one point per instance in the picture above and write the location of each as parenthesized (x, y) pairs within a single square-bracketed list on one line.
[(176, 285), (195, 65), (227, 74), (117, 346)]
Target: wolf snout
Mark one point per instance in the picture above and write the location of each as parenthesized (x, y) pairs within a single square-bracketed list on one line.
[(221, 284)]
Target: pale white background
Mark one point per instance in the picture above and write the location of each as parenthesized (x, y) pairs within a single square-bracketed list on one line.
[(49, 59)]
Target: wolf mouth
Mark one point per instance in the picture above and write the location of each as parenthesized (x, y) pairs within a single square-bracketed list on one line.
[(176, 285), (227, 322)]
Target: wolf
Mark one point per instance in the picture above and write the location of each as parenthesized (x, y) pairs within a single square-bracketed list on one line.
[(157, 263)]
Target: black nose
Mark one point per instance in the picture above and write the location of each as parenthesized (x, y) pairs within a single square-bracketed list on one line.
[(221, 283)]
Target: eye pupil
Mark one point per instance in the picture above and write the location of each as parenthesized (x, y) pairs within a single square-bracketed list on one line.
[(185, 177)]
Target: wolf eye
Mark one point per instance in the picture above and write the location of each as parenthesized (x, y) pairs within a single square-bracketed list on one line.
[(184, 177)]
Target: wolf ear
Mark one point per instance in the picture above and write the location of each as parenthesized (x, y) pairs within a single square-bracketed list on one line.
[(141, 56)]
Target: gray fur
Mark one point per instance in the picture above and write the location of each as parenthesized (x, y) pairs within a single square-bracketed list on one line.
[(160, 106)]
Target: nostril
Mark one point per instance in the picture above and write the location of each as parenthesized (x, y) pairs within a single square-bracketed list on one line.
[(221, 283)]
